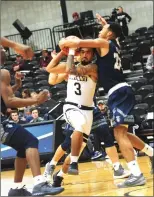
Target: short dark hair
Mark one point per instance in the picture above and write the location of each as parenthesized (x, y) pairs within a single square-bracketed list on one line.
[(34, 108), (26, 91), (14, 111), (116, 29)]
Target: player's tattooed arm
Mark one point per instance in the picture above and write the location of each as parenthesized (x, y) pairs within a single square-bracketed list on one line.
[(70, 68), (90, 70)]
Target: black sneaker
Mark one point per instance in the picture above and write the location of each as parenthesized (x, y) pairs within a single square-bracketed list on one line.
[(132, 181), (19, 192), (73, 168), (46, 188), (152, 164), (57, 180)]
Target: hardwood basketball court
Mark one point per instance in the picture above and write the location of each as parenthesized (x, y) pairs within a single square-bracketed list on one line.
[(95, 179)]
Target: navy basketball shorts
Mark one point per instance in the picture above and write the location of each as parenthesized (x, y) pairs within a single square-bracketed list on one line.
[(121, 103), (19, 139)]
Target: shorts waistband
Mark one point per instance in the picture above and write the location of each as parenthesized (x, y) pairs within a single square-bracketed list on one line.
[(116, 87), (82, 107)]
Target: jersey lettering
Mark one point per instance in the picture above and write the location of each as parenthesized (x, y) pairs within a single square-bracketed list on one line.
[(117, 64)]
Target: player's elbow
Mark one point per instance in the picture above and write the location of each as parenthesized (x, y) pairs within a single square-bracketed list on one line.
[(52, 82)]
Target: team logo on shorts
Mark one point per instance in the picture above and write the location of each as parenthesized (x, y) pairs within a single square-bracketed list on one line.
[(79, 106), (118, 118)]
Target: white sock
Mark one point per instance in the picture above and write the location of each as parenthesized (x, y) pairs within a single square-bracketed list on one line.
[(116, 165), (38, 179), (60, 173), (52, 162), (74, 159), (148, 150), (134, 168), (17, 185)]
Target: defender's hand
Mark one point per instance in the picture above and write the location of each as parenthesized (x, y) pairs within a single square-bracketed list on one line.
[(25, 51), (42, 97)]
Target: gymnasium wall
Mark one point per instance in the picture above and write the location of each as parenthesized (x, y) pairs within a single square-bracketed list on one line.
[(43, 14)]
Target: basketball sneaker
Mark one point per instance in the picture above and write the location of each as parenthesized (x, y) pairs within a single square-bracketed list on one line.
[(49, 169), (73, 168), (19, 192), (121, 173), (57, 180), (46, 188), (132, 181), (96, 155), (152, 164)]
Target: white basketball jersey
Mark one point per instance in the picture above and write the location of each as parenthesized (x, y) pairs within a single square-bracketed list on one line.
[(81, 90)]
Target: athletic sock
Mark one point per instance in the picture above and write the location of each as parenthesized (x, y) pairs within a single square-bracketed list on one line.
[(53, 163), (74, 159), (134, 168), (17, 185), (148, 150), (38, 179), (60, 173), (116, 165)]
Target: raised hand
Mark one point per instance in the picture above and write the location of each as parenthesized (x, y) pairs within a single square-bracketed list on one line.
[(101, 20), (25, 51)]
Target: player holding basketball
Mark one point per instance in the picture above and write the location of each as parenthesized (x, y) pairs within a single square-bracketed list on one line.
[(121, 98), (78, 108)]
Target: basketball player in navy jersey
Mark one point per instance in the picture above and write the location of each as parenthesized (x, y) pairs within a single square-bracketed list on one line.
[(121, 99), (17, 137)]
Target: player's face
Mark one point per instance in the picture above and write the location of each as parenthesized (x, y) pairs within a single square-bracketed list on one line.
[(105, 32), (86, 55)]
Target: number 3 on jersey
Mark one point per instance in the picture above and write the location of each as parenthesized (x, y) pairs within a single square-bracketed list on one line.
[(78, 88), (117, 64)]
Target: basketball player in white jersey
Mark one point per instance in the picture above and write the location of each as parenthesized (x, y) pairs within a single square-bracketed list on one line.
[(78, 108)]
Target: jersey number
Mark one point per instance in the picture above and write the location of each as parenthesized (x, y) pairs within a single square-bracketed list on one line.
[(78, 88), (117, 64)]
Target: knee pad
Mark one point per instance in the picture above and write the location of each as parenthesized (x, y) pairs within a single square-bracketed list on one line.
[(66, 145)]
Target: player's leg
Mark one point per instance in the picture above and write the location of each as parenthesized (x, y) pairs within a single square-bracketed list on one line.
[(27, 147), (61, 150), (121, 103), (136, 177), (59, 176), (81, 121), (140, 145), (104, 134)]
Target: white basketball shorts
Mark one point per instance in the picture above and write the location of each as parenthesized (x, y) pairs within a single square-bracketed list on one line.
[(80, 120)]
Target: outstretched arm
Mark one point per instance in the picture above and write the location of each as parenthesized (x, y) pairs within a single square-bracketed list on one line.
[(72, 43), (13, 102), (21, 49)]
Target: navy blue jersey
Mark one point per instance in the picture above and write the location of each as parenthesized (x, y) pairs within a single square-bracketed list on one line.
[(109, 67)]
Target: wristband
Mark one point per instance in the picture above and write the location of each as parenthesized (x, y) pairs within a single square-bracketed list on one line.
[(71, 51)]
